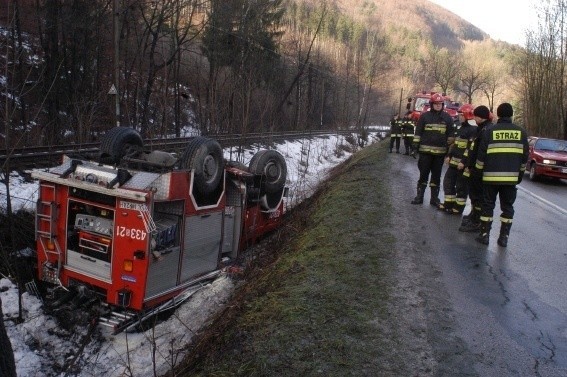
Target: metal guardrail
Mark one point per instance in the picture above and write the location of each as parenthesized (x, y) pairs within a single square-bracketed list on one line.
[(25, 158)]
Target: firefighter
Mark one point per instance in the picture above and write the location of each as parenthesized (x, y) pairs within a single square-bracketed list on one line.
[(502, 157), (395, 133), (408, 129), (433, 133), (471, 222), (455, 185)]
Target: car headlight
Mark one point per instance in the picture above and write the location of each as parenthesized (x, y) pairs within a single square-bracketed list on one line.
[(549, 162)]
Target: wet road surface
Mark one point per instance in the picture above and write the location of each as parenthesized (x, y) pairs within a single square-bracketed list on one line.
[(509, 305)]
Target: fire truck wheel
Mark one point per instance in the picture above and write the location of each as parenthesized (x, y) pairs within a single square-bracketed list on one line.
[(120, 142), (271, 201), (204, 156), (272, 165)]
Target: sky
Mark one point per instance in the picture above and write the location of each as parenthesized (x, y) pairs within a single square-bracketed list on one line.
[(38, 344), (504, 20)]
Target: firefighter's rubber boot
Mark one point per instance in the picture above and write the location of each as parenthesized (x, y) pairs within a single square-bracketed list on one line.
[(458, 208), (419, 197), (445, 206), (504, 233), (474, 214), (472, 223), (484, 235), (434, 200), (449, 208), (470, 227)]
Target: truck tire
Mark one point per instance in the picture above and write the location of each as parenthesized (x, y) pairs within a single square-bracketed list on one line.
[(271, 164), (204, 156), (271, 201), (119, 142)]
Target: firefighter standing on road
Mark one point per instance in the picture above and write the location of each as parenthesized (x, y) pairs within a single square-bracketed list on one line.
[(471, 222), (502, 158), (395, 133), (433, 133), (408, 129), (455, 186)]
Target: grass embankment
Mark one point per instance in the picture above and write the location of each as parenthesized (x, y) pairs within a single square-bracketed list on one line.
[(318, 308)]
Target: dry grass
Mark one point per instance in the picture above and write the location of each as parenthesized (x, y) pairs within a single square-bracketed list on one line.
[(314, 303)]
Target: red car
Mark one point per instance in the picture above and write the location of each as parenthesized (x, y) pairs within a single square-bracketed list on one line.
[(548, 157)]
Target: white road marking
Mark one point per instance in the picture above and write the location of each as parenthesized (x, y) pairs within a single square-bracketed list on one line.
[(545, 201)]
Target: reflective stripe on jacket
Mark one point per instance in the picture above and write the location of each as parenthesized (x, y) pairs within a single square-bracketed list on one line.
[(434, 132), (469, 156), (395, 128), (465, 137), (408, 128)]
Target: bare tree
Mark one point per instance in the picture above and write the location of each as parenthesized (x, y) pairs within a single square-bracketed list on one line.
[(495, 81), (470, 81), (161, 40), (444, 67), (543, 74), (474, 73), (7, 363)]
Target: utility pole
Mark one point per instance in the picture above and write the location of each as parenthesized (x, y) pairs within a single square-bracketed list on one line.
[(400, 105), (116, 63)]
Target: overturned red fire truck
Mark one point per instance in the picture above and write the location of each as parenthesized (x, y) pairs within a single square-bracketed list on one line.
[(139, 227)]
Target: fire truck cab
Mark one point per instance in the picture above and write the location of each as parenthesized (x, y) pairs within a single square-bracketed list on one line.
[(420, 103), (139, 227)]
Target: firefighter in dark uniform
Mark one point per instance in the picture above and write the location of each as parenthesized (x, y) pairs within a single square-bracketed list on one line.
[(455, 186), (502, 157), (434, 132), (395, 133), (471, 222), (408, 129)]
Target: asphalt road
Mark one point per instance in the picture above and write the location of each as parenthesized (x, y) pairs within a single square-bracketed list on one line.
[(505, 309)]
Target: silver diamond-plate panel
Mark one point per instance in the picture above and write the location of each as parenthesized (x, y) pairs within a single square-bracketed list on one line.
[(161, 186), (202, 246), (162, 273), (141, 180), (60, 169), (233, 195), (174, 208)]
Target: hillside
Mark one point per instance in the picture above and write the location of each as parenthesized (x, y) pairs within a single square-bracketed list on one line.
[(414, 18), (412, 36)]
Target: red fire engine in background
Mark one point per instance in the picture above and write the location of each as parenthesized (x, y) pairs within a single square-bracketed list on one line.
[(139, 228), (420, 103)]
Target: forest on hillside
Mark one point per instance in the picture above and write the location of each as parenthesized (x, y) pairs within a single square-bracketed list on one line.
[(73, 69)]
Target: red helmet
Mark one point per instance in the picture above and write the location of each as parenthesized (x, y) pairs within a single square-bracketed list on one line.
[(436, 97), (467, 111)]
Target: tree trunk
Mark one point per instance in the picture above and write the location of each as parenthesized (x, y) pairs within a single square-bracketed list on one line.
[(7, 363)]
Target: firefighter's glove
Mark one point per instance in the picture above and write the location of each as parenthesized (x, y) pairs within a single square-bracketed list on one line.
[(413, 153), (520, 177)]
